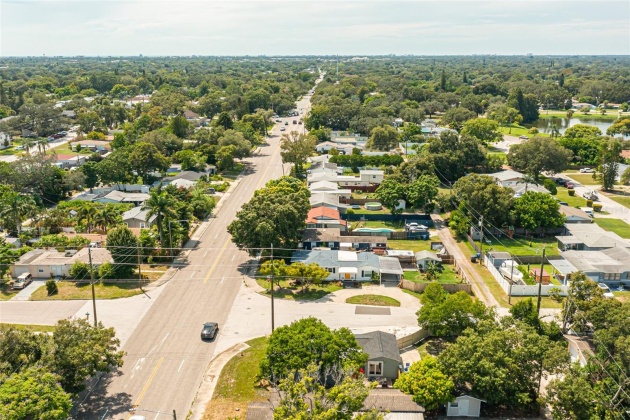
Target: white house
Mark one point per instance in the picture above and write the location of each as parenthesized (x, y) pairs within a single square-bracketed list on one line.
[(507, 178), (123, 197), (5, 140), (464, 406), (137, 218), (41, 263), (342, 265)]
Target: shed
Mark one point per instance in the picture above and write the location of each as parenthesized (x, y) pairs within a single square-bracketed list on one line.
[(423, 258), (464, 406), (535, 273)]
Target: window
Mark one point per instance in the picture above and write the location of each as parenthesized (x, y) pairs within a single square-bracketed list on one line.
[(142, 226), (612, 276), (331, 270), (40, 270), (375, 368), (454, 404)]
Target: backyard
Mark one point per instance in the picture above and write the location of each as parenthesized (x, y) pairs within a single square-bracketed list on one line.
[(521, 246), (289, 290), (82, 291), (409, 244), (617, 226), (447, 276), (398, 225), (237, 385)]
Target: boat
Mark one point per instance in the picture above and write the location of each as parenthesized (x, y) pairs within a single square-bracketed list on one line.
[(509, 270)]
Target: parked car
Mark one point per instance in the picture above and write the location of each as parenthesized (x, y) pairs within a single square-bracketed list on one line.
[(278, 120), (209, 331), (590, 195), (523, 137), (560, 181), (286, 123), (282, 129), (22, 281), (570, 185), (586, 170), (18, 148), (294, 121), (300, 122), (607, 293)]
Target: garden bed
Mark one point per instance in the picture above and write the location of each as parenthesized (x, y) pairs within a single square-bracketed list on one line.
[(374, 300)]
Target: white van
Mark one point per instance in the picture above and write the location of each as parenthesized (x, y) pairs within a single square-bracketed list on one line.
[(587, 210), (22, 281)]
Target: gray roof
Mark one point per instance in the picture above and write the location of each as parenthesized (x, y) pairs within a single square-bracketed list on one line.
[(611, 260), (506, 175), (334, 235), (563, 266), (392, 400), (574, 213), (137, 213), (325, 198), (337, 258), (187, 175), (126, 197), (427, 255), (523, 188), (379, 344), (390, 265), (594, 236)]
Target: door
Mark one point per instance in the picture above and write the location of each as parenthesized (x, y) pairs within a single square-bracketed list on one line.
[(348, 276)]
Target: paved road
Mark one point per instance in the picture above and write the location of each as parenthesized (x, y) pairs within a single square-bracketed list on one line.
[(615, 210), (52, 145), (166, 359)]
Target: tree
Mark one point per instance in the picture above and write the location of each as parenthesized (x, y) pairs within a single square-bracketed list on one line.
[(275, 215), (308, 341), (503, 362), (225, 121), (573, 397), (87, 213), (116, 169), (483, 129), (123, 245), (81, 350), (190, 160), (296, 149), (15, 207), (479, 195), (505, 115), (448, 315), (34, 393), (422, 191), (382, 138), (535, 210), (609, 159), (180, 126), (242, 147), (160, 205), (107, 216), (307, 273), (625, 177), (538, 154), (451, 156), (90, 170), (145, 158), (456, 117), (582, 131), (225, 157), (390, 192), (427, 384), (304, 397)]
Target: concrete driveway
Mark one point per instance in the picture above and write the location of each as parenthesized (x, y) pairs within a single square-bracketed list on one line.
[(615, 210)]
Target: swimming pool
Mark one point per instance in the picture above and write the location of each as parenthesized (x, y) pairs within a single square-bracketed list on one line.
[(382, 230)]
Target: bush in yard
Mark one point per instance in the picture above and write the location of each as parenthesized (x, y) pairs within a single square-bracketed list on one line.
[(589, 203), (551, 186), (80, 270), (51, 287), (571, 192), (597, 207), (427, 384), (107, 271)]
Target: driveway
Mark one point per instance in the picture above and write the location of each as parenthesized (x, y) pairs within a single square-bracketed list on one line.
[(505, 144), (616, 210)]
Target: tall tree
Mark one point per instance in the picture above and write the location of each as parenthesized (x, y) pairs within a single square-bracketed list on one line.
[(383, 138), (534, 210), (145, 158), (16, 207), (161, 205), (427, 384), (538, 154), (296, 149), (609, 159), (123, 245)]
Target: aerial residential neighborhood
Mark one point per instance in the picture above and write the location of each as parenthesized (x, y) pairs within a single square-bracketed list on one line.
[(202, 218)]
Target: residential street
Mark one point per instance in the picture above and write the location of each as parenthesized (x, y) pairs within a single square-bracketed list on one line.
[(616, 210)]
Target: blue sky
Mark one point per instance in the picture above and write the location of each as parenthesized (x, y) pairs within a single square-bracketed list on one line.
[(208, 27)]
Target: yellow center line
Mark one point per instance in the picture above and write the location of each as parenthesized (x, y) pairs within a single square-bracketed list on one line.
[(146, 385), (216, 261)]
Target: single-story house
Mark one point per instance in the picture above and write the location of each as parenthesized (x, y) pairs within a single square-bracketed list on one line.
[(403, 255), (66, 161), (507, 178), (332, 238), (326, 147), (137, 217), (366, 178), (342, 265), (323, 186), (183, 183), (327, 200), (187, 175), (14, 242), (423, 258), (580, 105), (575, 215), (589, 237), (520, 189), (610, 266), (393, 404), (384, 362), (41, 263), (324, 217), (93, 145), (390, 269), (137, 199), (464, 406)]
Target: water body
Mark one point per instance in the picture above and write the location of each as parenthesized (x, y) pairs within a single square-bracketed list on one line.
[(544, 125)]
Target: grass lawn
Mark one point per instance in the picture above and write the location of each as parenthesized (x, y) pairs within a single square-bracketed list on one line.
[(362, 210), (300, 293), (379, 224), (572, 201), (29, 327), (414, 294), (237, 385), (617, 226), (519, 130), (523, 246), (494, 287), (624, 200), (622, 296), (231, 174), (584, 179), (9, 151), (448, 276), (374, 300), (73, 291), (409, 244), (65, 149), (611, 114), (7, 292)]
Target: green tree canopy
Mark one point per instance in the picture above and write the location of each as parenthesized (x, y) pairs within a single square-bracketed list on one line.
[(535, 210), (383, 138), (538, 154), (483, 129), (296, 149), (427, 384)]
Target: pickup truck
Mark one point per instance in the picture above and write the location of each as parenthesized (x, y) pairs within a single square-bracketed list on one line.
[(590, 195)]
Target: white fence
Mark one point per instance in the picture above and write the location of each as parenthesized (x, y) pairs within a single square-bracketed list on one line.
[(519, 289)]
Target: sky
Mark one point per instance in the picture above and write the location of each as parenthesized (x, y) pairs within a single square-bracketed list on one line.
[(300, 27)]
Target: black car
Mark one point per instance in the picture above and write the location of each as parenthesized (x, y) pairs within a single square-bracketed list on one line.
[(209, 331)]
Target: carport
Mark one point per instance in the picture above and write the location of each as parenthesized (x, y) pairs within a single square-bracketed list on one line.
[(391, 271)]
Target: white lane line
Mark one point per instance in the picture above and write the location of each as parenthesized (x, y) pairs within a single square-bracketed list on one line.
[(180, 365), (216, 236), (192, 274), (156, 416), (206, 253), (233, 256), (222, 278)]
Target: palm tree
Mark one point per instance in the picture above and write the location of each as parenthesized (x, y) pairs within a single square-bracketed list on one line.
[(17, 207), (105, 217), (88, 213), (555, 130), (527, 180), (161, 205)]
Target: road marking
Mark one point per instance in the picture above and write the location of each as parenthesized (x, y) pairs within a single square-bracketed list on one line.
[(192, 274), (233, 256), (146, 385), (222, 278), (180, 365), (156, 416), (216, 261), (206, 253), (216, 236)]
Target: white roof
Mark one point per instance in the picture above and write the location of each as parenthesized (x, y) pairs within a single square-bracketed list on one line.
[(347, 256), (507, 175)]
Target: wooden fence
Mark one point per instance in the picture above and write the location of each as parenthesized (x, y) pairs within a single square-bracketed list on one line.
[(450, 288), (411, 339)]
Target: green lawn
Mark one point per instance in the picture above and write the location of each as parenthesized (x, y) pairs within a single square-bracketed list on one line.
[(522, 246), (238, 383), (448, 276), (611, 114), (7, 292), (236, 170), (584, 179), (374, 300), (29, 327), (622, 296), (74, 291), (409, 244), (519, 130), (624, 200), (362, 210), (379, 224), (572, 201), (65, 149), (287, 290), (617, 226)]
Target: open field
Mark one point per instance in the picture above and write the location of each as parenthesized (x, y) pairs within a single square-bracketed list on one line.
[(522, 246), (379, 224), (409, 244), (237, 385), (611, 115), (74, 291), (617, 226), (374, 300)]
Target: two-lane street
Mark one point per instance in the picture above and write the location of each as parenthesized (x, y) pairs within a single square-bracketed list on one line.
[(166, 358)]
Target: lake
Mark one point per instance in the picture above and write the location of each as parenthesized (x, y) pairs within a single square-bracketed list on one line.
[(544, 125)]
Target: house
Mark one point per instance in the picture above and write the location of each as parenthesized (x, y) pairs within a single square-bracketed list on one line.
[(366, 178), (424, 258), (579, 349), (393, 404), (187, 175), (580, 105), (136, 199), (14, 242), (326, 147), (342, 265), (102, 146), (398, 122), (520, 189), (384, 362), (589, 237), (332, 238), (41, 263), (403, 255), (190, 115), (183, 183), (323, 186), (325, 217), (575, 215), (464, 406), (327, 200), (137, 218), (5, 140), (391, 271), (65, 161), (610, 266), (507, 178)]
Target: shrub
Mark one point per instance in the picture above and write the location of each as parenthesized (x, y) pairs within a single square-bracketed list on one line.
[(551, 186), (51, 287), (107, 271), (597, 207), (532, 130), (589, 203), (571, 192), (80, 270), (349, 211)]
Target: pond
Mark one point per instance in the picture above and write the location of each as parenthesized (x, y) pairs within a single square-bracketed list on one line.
[(544, 125)]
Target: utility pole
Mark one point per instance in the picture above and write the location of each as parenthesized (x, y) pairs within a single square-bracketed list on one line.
[(542, 265), (139, 261), (92, 283), (174, 415), (272, 313), (511, 281), (481, 240)]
